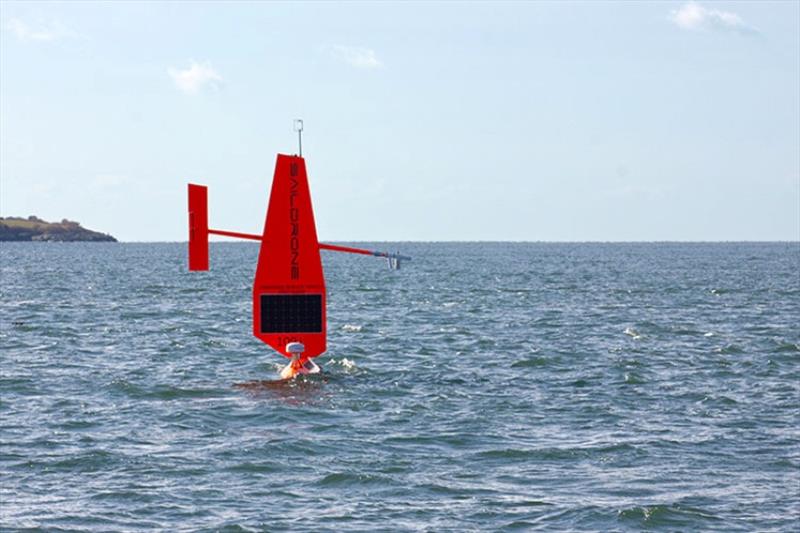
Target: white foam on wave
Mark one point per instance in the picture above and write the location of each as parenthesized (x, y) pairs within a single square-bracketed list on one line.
[(352, 328), (632, 333), (344, 362)]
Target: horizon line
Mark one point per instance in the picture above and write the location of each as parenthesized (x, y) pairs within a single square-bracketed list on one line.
[(701, 241)]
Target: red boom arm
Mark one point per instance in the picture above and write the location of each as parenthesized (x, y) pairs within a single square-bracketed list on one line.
[(199, 232)]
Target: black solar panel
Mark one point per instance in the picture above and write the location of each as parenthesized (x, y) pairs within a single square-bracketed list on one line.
[(291, 313)]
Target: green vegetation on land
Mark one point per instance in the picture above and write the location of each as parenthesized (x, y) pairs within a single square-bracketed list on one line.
[(36, 229)]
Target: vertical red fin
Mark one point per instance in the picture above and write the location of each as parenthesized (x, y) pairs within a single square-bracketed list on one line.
[(289, 286), (198, 227)]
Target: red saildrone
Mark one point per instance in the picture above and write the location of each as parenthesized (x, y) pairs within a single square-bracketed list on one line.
[(289, 311)]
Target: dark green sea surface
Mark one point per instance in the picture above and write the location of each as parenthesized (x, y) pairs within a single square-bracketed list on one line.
[(483, 387)]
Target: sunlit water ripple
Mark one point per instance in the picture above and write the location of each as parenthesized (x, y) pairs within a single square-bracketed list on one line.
[(481, 387)]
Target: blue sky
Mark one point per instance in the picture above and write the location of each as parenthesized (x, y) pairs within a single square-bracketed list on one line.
[(423, 121)]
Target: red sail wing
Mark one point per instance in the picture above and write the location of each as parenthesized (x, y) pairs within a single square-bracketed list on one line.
[(289, 286)]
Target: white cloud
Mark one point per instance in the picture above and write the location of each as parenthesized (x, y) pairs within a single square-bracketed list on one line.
[(41, 33), (194, 78), (355, 56), (693, 16)]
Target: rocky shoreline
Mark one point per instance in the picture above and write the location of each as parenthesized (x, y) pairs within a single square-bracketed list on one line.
[(36, 229)]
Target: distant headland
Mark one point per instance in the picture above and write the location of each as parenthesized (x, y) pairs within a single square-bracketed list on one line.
[(36, 229)]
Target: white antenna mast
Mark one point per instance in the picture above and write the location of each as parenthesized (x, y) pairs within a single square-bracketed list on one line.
[(298, 127)]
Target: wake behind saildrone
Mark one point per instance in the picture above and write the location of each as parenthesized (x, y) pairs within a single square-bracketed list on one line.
[(289, 296)]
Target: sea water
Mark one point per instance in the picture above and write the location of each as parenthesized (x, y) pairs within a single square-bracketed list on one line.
[(484, 386)]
